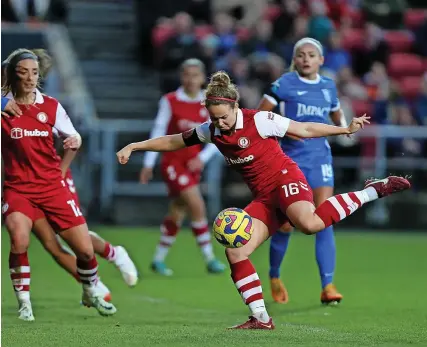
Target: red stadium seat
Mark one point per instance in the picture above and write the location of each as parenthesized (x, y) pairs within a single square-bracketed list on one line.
[(414, 18), (410, 86), (243, 34), (203, 30), (405, 64), (162, 33), (360, 107), (399, 40), (357, 19), (272, 12), (353, 39)]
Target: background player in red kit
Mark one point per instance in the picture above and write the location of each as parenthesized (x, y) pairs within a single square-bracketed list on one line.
[(180, 111), (248, 141), (33, 186)]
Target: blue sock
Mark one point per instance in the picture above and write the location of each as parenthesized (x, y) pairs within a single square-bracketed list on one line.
[(278, 246), (325, 255)]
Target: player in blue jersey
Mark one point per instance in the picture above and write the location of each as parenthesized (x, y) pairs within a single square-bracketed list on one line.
[(305, 96)]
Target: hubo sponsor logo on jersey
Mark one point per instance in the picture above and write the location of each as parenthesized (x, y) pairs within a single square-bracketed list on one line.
[(308, 110), (238, 161), (18, 133)]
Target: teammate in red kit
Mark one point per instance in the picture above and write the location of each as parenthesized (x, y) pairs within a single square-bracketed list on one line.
[(116, 255), (247, 139), (33, 186), (180, 111)]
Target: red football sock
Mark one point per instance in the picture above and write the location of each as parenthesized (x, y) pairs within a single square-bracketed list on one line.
[(338, 207), (20, 274)]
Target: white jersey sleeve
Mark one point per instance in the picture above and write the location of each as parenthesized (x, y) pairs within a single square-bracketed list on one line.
[(203, 132), (63, 124), (161, 123), (271, 124)]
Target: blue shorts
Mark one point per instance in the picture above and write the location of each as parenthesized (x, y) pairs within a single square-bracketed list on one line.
[(319, 175)]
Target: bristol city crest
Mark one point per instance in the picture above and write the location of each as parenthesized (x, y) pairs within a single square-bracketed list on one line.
[(42, 117), (243, 142)]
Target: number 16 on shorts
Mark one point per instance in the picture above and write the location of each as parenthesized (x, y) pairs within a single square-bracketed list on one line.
[(294, 188)]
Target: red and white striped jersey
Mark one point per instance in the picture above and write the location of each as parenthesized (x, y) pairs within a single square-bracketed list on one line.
[(252, 149), (178, 113), (31, 164)]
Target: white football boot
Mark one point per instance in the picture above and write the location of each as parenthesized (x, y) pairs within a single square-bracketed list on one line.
[(126, 266), (26, 311), (103, 307), (102, 291)]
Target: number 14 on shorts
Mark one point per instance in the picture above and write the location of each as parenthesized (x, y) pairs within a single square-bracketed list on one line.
[(294, 188), (75, 208)]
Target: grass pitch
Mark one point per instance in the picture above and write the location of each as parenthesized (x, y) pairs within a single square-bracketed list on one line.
[(383, 277)]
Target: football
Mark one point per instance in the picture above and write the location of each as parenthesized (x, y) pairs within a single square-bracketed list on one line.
[(233, 227)]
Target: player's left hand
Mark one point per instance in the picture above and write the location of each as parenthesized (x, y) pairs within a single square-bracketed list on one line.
[(124, 154), (72, 142), (358, 123), (195, 164)]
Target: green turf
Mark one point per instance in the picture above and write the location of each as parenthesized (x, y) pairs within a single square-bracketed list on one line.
[(382, 275)]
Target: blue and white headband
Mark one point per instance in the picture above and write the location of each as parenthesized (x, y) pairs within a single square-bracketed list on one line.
[(310, 41)]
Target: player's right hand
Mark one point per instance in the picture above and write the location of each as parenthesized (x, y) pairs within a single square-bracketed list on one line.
[(124, 154), (11, 109), (358, 123), (145, 175)]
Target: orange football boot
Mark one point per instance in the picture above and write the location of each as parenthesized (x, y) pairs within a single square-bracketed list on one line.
[(330, 295), (278, 291)]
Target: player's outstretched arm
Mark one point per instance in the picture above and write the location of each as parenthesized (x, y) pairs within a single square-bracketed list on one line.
[(166, 143), (310, 130)]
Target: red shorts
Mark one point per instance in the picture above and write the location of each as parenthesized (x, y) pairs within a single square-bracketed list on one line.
[(178, 177), (69, 181), (271, 208), (57, 206)]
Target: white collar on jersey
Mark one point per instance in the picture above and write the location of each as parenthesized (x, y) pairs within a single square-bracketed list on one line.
[(239, 123), (39, 97), (305, 80), (181, 96)]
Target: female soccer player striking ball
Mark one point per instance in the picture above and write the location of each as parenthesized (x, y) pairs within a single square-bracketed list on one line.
[(180, 111), (33, 186), (305, 96), (247, 139)]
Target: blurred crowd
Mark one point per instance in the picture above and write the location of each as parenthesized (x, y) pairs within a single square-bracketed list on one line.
[(375, 50)]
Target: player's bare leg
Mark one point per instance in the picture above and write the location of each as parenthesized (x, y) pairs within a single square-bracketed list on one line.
[(116, 255), (169, 229), (19, 228), (199, 225), (279, 292), (87, 268), (325, 253), (311, 220), (63, 257), (247, 281)]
